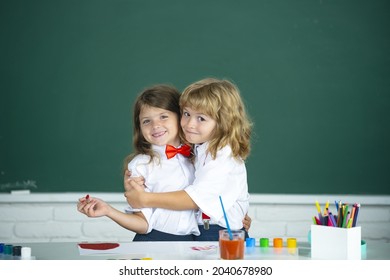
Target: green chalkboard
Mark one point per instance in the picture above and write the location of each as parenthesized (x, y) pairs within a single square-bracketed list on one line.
[(314, 76)]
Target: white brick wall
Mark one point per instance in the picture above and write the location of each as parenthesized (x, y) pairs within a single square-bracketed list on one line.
[(54, 217)]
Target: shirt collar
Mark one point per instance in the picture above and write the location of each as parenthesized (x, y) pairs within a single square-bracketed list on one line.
[(159, 150), (201, 148)]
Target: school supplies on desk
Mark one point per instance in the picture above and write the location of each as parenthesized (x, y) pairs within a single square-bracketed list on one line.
[(334, 234), (15, 252), (346, 216), (335, 243)]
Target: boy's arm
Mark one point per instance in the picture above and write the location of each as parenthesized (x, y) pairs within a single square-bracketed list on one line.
[(177, 200)]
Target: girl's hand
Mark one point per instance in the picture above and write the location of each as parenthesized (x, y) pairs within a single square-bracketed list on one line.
[(93, 207), (247, 222)]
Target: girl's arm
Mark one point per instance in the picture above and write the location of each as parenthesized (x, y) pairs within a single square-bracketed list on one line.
[(134, 222), (138, 198), (178, 200), (95, 207)]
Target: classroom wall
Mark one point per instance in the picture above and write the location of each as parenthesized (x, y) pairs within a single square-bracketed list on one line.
[(314, 76), (54, 218)]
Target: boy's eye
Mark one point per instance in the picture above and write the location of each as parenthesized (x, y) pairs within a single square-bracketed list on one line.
[(201, 119), (186, 114), (163, 117)]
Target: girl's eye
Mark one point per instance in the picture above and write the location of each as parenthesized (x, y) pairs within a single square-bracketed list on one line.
[(145, 122), (186, 114), (201, 119), (163, 117)]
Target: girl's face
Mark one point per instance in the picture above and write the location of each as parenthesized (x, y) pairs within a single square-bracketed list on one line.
[(197, 127), (159, 126)]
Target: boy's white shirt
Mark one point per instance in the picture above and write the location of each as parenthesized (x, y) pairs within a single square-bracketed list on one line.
[(223, 176), (165, 175)]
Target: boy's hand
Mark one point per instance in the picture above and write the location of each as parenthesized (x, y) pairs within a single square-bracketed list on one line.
[(247, 222), (134, 194), (140, 181)]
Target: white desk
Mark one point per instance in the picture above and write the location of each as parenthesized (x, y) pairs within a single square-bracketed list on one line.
[(180, 251)]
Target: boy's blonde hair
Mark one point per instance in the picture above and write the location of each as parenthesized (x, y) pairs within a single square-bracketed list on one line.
[(221, 100)]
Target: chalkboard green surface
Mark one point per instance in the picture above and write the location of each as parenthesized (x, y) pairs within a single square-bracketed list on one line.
[(314, 76)]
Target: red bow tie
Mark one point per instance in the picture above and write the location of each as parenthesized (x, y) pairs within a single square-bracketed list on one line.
[(171, 151)]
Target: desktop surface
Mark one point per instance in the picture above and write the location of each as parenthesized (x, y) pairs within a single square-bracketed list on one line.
[(176, 251)]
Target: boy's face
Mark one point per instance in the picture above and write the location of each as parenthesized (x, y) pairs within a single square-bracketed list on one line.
[(159, 126), (197, 127)]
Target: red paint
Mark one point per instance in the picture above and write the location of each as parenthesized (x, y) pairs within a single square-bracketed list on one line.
[(98, 246), (231, 249), (87, 197)]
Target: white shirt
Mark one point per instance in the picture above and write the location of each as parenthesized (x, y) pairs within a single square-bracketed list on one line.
[(224, 176), (165, 175)]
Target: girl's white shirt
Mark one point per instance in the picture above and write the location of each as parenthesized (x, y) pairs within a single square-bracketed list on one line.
[(165, 175), (223, 176)]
